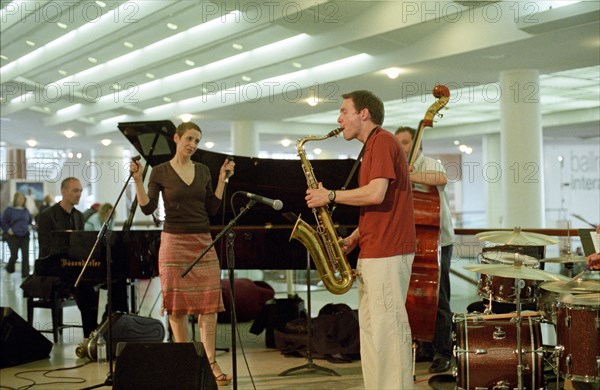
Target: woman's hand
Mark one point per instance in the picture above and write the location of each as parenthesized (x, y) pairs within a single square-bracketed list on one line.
[(136, 170), (227, 170)]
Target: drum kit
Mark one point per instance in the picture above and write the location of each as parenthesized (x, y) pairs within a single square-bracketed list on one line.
[(489, 346)]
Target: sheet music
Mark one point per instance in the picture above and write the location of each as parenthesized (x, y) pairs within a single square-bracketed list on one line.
[(596, 240)]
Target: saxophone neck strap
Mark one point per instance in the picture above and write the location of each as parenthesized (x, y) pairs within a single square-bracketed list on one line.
[(358, 159)]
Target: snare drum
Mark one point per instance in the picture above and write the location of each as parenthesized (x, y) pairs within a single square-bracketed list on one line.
[(501, 289), (487, 357), (578, 334)]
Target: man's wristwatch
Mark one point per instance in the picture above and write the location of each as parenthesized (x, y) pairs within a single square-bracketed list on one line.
[(332, 196)]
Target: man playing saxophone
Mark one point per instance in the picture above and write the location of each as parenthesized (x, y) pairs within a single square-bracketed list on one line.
[(386, 237)]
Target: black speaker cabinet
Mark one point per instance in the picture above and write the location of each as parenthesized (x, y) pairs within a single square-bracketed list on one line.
[(165, 366), (20, 342)]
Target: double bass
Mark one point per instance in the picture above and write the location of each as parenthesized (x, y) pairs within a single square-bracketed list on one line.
[(422, 298)]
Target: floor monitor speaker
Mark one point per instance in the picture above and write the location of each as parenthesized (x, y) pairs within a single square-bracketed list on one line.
[(19, 342), (157, 366)]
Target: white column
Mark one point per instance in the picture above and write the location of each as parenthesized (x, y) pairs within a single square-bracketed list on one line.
[(492, 180), (521, 149), (107, 177), (244, 139)]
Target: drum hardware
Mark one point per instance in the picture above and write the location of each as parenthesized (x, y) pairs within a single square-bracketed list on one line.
[(499, 333), (502, 385)]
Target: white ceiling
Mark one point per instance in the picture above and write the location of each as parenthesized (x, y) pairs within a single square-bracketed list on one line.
[(290, 51)]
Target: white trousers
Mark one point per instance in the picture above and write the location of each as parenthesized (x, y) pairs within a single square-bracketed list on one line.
[(385, 336)]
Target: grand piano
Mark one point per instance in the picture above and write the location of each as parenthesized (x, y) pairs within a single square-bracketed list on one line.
[(262, 234)]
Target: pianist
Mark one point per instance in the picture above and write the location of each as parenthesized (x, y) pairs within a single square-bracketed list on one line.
[(60, 217)]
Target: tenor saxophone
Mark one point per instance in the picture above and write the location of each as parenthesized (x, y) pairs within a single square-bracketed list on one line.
[(323, 244)]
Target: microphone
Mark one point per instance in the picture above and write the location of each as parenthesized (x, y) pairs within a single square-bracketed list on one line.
[(275, 203), (228, 173), (136, 158)]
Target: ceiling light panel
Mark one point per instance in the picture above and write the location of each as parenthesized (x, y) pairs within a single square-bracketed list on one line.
[(70, 13)]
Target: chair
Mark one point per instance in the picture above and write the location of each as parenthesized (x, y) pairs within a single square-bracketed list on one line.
[(48, 293)]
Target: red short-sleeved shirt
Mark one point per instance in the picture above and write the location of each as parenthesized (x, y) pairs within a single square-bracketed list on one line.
[(387, 229)]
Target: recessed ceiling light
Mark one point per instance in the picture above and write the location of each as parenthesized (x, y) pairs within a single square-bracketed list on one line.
[(317, 151), (30, 43), (101, 3), (32, 143), (62, 72), (285, 142), (69, 133), (393, 73), (70, 154), (79, 155), (456, 142), (313, 101), (172, 26), (186, 117), (237, 46), (116, 87), (106, 142), (190, 63), (92, 60), (209, 144), (47, 109), (167, 99), (246, 78), (297, 65), (61, 25), (128, 44), (150, 75)]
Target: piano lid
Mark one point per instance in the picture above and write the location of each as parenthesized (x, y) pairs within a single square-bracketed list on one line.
[(271, 178)]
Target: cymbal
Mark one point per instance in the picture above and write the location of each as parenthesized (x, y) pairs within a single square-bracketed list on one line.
[(571, 286), (511, 271), (568, 258), (516, 237), (592, 299), (490, 257)]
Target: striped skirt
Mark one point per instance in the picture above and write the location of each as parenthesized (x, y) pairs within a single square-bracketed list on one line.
[(199, 292)]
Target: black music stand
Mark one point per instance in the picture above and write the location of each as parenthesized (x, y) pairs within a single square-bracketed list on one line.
[(309, 359), (105, 232)]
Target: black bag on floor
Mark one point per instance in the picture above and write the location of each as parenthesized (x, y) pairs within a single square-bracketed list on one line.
[(275, 314), (125, 327)]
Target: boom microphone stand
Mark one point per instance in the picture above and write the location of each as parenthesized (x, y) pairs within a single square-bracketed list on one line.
[(231, 267), (105, 232), (309, 364)]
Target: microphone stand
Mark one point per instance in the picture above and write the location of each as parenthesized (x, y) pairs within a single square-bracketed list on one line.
[(106, 232), (309, 360), (231, 268)]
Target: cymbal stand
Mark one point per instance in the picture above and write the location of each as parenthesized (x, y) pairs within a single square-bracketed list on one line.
[(309, 365), (519, 284)]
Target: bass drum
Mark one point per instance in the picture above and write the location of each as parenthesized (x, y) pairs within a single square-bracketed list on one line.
[(486, 353)]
